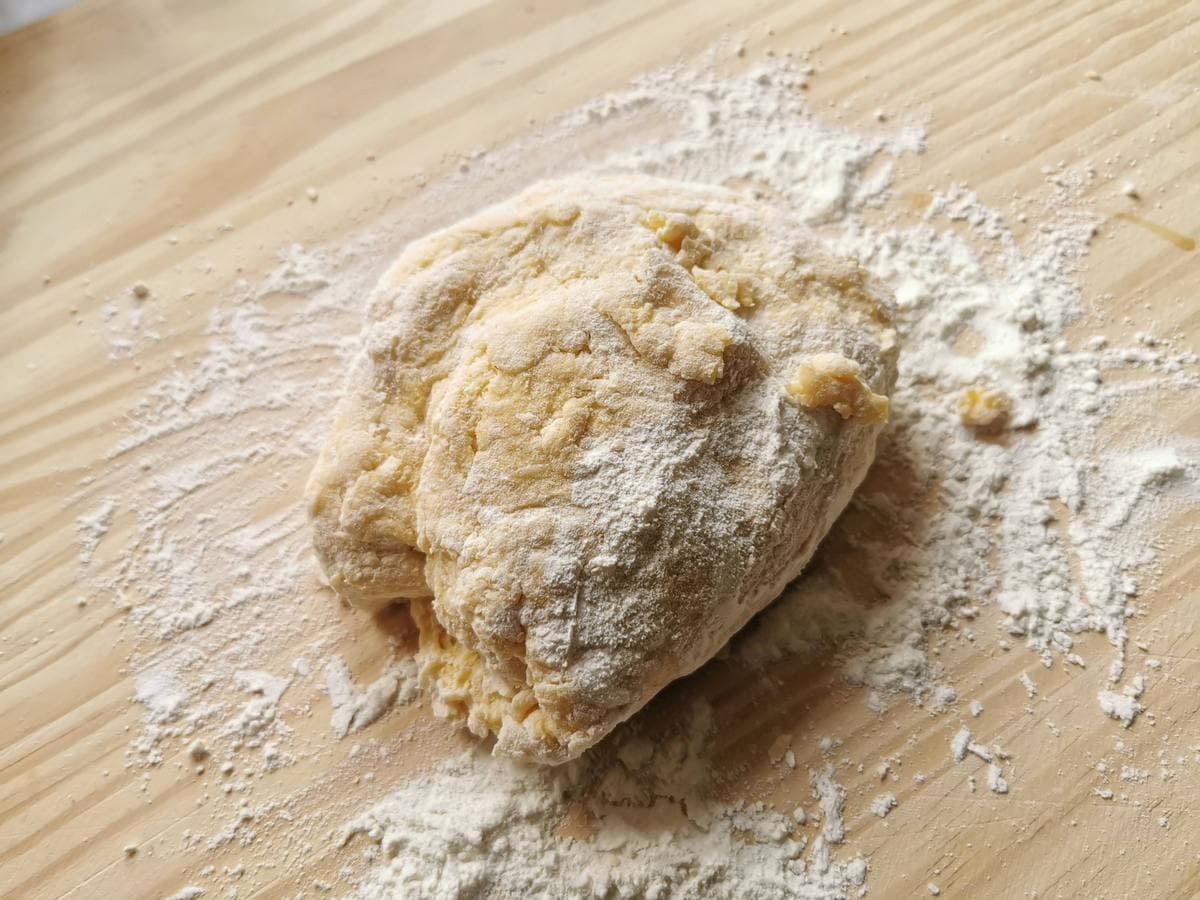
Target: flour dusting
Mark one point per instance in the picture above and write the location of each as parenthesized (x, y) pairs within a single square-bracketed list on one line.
[(92, 529), (479, 826), (355, 709)]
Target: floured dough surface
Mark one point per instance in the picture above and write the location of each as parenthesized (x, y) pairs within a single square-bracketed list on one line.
[(592, 431)]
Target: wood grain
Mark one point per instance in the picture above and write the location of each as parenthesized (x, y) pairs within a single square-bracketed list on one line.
[(122, 122)]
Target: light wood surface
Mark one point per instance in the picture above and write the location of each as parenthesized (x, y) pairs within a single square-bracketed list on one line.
[(121, 122)]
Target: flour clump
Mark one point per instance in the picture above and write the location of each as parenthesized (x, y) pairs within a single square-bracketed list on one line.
[(591, 432)]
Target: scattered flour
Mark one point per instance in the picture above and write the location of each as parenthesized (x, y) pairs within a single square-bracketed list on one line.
[(92, 529), (960, 744), (883, 804), (995, 780), (170, 712), (257, 718), (1122, 707), (831, 797), (352, 709), (481, 827), (980, 751), (1030, 687), (162, 693), (1134, 774)]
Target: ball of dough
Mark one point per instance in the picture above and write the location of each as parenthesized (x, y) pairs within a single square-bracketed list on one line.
[(591, 432)]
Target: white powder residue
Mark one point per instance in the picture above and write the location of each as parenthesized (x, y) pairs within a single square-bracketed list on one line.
[(995, 780), (1050, 499), (170, 712), (92, 529), (831, 797), (883, 804), (216, 575), (980, 751), (354, 709), (1134, 775), (483, 827), (959, 744), (300, 272), (239, 422), (1122, 707), (162, 693), (943, 698), (257, 718), (1027, 683)]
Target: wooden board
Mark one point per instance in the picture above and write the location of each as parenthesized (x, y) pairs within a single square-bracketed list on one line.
[(121, 122)]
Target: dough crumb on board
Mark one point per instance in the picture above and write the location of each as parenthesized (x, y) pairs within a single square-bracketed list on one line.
[(984, 409)]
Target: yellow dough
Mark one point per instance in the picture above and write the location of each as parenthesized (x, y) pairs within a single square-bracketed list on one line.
[(591, 432)]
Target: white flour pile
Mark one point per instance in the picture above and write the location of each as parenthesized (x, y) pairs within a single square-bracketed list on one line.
[(485, 827), (221, 590)]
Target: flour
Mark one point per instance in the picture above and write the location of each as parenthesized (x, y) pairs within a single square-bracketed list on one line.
[(1134, 775), (883, 804), (352, 709), (1122, 707), (1043, 524), (171, 712), (1027, 683), (204, 583), (257, 718), (92, 528), (831, 797), (162, 693), (980, 751), (995, 780), (478, 826), (959, 744)]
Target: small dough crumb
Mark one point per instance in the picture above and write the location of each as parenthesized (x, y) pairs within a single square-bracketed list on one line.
[(730, 291), (984, 409), (698, 353), (830, 379)]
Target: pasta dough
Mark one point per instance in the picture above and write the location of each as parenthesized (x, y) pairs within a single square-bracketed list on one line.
[(591, 432)]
